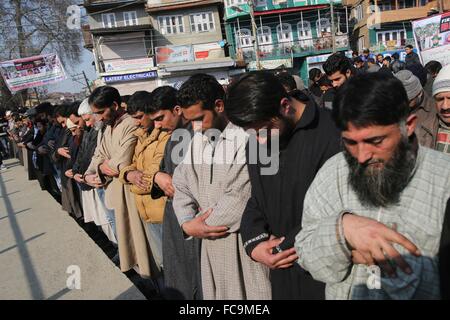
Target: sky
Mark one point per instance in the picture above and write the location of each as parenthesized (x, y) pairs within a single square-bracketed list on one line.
[(69, 85)]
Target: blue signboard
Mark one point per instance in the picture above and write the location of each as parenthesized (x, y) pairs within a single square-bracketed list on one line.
[(131, 77)]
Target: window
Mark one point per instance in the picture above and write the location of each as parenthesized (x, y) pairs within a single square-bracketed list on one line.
[(402, 4), (264, 35), (304, 34), (323, 26), (265, 39), (358, 13), (385, 5), (171, 24), (393, 35), (231, 3), (202, 22), (109, 20), (261, 3), (284, 32), (304, 30), (361, 44), (244, 38), (130, 18)]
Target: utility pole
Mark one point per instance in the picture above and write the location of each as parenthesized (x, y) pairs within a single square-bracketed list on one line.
[(441, 6), (333, 35), (37, 95), (76, 78), (87, 82), (251, 5)]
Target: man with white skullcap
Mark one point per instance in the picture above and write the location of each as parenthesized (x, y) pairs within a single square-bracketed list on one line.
[(94, 208)]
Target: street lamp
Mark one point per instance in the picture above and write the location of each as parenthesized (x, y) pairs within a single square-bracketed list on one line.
[(251, 5)]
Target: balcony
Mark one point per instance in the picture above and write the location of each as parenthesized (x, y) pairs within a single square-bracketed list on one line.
[(299, 48)]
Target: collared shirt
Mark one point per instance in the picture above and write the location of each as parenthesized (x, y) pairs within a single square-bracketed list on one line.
[(419, 216), (443, 138)]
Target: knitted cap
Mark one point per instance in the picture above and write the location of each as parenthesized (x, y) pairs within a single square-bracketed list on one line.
[(442, 81), (410, 82)]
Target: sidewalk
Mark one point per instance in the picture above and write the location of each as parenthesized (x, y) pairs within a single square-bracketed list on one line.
[(40, 243)]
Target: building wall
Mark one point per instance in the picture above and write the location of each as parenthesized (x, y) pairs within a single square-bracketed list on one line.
[(188, 36), (389, 20), (96, 22), (123, 46)]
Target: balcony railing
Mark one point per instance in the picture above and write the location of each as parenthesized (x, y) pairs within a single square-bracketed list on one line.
[(289, 49)]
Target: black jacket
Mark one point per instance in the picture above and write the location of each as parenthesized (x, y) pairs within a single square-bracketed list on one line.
[(411, 59), (276, 205), (85, 153)]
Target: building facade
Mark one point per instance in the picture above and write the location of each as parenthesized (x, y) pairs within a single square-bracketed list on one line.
[(291, 34), (121, 42), (385, 25), (189, 38)]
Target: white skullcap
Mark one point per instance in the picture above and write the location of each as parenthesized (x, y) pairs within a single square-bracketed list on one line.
[(84, 108)]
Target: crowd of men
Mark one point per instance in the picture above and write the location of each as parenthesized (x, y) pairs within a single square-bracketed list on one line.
[(263, 190)]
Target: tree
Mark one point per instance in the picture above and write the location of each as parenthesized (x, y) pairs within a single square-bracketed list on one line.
[(33, 27)]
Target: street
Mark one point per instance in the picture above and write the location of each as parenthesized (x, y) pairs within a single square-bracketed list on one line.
[(41, 247)]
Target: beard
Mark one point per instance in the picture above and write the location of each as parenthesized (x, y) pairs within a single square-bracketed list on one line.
[(382, 187), (284, 134)]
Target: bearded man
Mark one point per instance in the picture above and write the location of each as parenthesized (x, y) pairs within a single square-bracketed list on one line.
[(376, 217)]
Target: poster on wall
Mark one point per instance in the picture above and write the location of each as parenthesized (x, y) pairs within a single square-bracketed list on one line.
[(174, 54), (432, 37), (208, 51), (32, 72)]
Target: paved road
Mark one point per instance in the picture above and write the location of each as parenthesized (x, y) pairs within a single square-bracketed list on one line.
[(41, 248)]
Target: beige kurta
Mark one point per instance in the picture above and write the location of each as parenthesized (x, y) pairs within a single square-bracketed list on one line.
[(217, 178), (117, 145)]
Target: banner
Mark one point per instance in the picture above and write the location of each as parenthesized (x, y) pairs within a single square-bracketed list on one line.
[(174, 54), (208, 51), (32, 72), (271, 64), (432, 36), (125, 65)]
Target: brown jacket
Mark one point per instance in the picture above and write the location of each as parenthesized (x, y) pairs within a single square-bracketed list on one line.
[(427, 122), (117, 145), (147, 158)]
